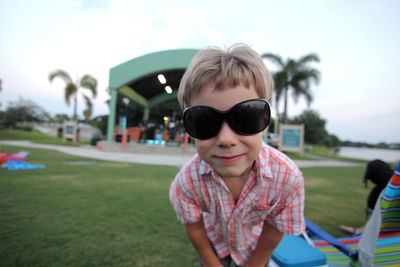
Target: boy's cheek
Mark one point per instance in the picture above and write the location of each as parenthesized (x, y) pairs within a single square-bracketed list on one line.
[(205, 148), (202, 145)]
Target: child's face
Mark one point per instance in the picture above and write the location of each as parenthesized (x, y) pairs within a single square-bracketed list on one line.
[(228, 153)]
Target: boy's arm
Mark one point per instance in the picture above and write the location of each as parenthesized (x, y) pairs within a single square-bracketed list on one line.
[(267, 242), (198, 237)]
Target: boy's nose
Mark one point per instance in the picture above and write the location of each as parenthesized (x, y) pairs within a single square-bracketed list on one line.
[(226, 136)]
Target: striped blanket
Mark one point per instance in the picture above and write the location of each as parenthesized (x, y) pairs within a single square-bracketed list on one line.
[(387, 252), (387, 249), (390, 204)]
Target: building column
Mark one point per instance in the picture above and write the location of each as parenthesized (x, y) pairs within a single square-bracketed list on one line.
[(146, 114), (111, 115)]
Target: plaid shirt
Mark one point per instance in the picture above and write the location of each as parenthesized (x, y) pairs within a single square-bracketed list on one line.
[(274, 192)]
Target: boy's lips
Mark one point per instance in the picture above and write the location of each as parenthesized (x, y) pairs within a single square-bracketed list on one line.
[(229, 158)]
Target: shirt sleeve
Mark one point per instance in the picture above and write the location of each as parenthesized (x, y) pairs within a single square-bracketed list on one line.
[(289, 215), (182, 198)]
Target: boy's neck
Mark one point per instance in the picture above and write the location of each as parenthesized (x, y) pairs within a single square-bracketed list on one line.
[(235, 184)]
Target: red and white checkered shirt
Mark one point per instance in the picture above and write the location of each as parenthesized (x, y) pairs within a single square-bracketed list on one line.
[(274, 192)]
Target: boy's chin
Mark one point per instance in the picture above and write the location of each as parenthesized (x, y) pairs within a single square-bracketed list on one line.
[(232, 172)]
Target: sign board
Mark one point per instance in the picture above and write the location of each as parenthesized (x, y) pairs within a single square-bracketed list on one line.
[(291, 138), (70, 132)]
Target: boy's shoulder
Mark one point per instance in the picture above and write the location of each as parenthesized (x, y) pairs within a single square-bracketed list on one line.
[(275, 158), (195, 168), (281, 171), (192, 175)]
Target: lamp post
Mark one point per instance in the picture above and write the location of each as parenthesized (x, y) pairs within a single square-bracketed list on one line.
[(123, 117)]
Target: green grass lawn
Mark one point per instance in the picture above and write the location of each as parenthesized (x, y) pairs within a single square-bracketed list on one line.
[(325, 152), (297, 156), (34, 136), (335, 196), (118, 214)]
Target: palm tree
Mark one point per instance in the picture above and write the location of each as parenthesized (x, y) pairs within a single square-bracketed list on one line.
[(295, 75), (71, 90)]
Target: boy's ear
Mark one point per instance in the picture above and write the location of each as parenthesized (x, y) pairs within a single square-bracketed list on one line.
[(264, 132)]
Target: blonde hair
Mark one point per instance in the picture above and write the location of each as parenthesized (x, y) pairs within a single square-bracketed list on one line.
[(238, 65)]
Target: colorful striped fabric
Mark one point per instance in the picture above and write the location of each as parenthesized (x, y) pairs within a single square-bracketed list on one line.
[(390, 204), (387, 252)]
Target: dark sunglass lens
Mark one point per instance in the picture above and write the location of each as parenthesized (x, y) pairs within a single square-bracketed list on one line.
[(250, 117), (202, 122)]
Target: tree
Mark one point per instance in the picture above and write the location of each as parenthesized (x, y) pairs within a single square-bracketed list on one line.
[(60, 118), (71, 90), (332, 141), (23, 111), (314, 127), (294, 75)]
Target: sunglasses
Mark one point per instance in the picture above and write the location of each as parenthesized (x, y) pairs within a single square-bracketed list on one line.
[(245, 118)]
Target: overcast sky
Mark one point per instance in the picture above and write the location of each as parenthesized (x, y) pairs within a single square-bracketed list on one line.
[(358, 43)]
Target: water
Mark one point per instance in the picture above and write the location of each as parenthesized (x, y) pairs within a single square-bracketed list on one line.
[(387, 155)]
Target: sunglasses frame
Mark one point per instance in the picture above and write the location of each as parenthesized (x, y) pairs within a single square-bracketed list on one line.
[(226, 117)]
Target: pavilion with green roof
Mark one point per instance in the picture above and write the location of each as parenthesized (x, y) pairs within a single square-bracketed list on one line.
[(148, 81)]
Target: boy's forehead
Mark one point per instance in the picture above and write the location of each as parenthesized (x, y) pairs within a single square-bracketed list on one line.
[(212, 87), (224, 97)]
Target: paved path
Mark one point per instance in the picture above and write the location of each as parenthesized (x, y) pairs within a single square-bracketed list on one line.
[(152, 155)]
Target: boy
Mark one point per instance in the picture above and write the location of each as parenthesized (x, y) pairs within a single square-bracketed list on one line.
[(236, 196)]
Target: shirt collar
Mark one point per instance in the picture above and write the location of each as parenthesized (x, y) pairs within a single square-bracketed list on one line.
[(204, 168), (262, 162)]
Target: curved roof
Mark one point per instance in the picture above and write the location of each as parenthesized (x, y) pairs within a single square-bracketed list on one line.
[(141, 67)]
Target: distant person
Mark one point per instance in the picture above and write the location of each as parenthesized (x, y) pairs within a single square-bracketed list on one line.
[(237, 196), (142, 134), (379, 173), (172, 130), (172, 126)]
